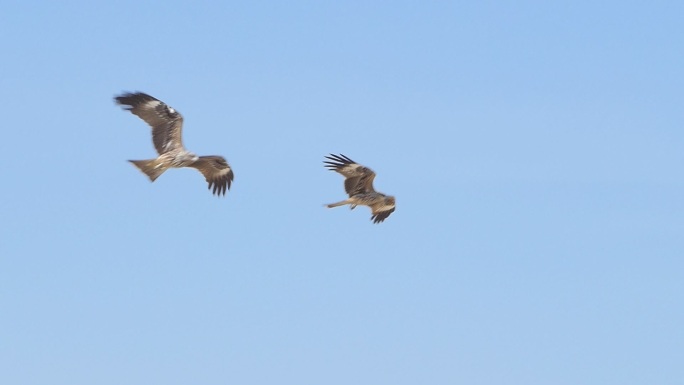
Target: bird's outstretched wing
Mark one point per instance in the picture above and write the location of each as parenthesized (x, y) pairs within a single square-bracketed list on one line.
[(381, 211), (216, 171), (166, 123), (359, 179)]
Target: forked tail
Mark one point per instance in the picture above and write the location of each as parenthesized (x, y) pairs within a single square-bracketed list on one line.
[(151, 167)]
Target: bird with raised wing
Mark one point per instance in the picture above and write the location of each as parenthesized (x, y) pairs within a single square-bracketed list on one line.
[(167, 126), (358, 183)]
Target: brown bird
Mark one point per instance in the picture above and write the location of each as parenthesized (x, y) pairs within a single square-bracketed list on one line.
[(167, 127), (359, 185)]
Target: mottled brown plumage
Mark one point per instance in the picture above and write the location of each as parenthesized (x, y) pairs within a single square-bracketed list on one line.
[(358, 184), (167, 128)]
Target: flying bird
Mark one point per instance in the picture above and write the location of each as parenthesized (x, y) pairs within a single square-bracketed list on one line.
[(358, 183), (167, 127)]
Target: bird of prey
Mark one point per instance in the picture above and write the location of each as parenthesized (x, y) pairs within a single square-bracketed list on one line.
[(167, 126), (359, 185)]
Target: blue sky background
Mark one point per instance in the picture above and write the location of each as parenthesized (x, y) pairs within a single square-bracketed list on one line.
[(534, 147)]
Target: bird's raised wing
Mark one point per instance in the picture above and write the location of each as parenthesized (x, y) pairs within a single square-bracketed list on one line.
[(359, 179), (166, 123), (381, 211), (216, 171)]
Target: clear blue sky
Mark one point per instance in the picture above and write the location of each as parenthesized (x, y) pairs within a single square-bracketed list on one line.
[(535, 149)]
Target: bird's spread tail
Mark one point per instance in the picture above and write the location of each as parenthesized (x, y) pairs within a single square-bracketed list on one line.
[(152, 167)]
